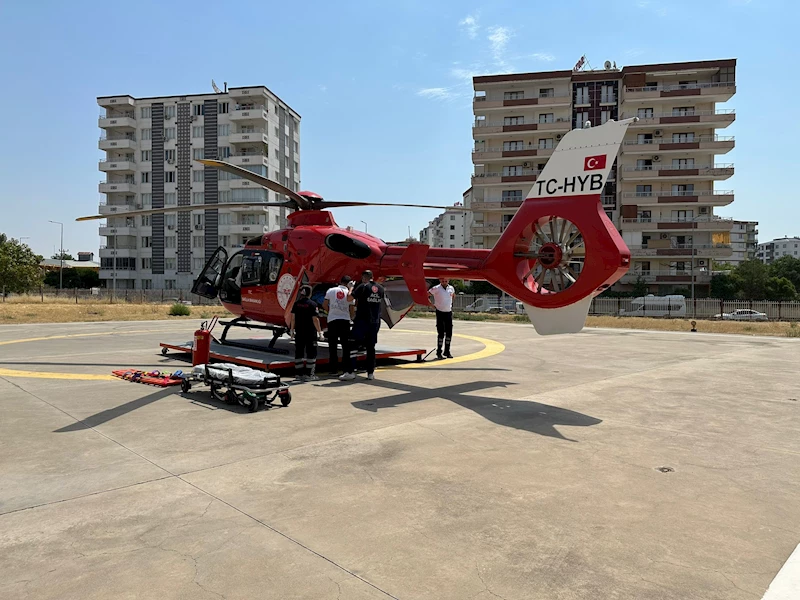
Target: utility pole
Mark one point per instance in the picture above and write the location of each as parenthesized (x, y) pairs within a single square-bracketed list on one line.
[(61, 256)]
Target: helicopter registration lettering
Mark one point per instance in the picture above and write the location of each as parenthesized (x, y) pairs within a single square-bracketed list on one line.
[(570, 185)]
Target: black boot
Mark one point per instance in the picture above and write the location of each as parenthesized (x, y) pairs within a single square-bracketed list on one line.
[(439, 348), (447, 349)]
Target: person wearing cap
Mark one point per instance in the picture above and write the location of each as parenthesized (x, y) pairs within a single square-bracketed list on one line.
[(443, 294), (339, 311), (368, 296), (305, 330)]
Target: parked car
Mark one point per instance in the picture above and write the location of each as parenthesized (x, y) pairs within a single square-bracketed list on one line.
[(743, 314)]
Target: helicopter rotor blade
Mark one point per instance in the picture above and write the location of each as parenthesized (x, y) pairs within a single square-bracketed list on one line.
[(259, 179), (334, 204), (188, 208)]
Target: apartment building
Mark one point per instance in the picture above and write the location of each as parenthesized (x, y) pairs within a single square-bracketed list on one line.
[(744, 242), (448, 230), (151, 146), (768, 252), (662, 190)]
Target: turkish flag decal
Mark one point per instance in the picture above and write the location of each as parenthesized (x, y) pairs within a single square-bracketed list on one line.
[(592, 163)]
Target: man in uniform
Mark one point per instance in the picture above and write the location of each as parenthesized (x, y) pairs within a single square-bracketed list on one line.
[(442, 295), (369, 297), (338, 308), (305, 329)]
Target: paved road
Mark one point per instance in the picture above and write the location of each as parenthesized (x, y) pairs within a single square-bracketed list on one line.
[(531, 473)]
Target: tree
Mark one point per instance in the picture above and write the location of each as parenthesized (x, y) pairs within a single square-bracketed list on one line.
[(787, 267), (74, 278), (725, 286), (482, 287), (780, 288), (753, 274), (19, 266), (65, 256), (640, 288)]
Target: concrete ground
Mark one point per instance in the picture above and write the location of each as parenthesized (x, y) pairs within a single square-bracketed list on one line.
[(524, 469)]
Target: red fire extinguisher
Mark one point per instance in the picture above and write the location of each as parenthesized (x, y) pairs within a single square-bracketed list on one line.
[(201, 349)]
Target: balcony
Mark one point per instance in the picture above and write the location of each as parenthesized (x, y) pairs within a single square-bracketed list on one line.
[(717, 171), (122, 121), (710, 197), (496, 205), (248, 159), (487, 229), (241, 229), (117, 143), (117, 187), (721, 91), (482, 128), (495, 101), (238, 184), (716, 118), (118, 165), (499, 153), (257, 136), (717, 144), (493, 178), (666, 276), (116, 102), (111, 209), (700, 223), (682, 250), (251, 113), (129, 230)]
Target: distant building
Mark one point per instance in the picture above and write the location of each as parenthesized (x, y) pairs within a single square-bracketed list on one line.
[(54, 264), (768, 252), (744, 242), (448, 230)]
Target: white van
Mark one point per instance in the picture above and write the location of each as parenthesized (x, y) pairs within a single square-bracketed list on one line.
[(656, 306)]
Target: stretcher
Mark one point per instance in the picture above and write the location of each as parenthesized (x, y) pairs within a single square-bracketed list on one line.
[(150, 377), (235, 384)]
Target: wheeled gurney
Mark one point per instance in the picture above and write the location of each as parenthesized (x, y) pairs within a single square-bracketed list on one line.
[(235, 384)]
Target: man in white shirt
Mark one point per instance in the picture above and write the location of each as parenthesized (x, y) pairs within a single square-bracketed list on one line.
[(339, 315), (443, 301)]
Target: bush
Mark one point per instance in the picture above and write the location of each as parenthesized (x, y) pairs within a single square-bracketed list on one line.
[(179, 310)]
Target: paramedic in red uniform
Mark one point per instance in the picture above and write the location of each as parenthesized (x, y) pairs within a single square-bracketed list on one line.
[(443, 294)]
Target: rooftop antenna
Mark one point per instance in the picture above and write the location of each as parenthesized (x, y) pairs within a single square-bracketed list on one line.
[(216, 89)]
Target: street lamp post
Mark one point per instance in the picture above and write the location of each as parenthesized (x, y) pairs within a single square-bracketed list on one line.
[(61, 256), (365, 226)]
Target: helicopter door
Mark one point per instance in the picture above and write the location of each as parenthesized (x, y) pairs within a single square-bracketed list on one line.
[(210, 280), (396, 303)]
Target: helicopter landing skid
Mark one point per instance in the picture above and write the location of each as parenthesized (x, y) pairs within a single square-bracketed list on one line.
[(277, 332)]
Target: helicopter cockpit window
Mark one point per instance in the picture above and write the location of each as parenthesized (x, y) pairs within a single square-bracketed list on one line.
[(274, 269), (251, 270)]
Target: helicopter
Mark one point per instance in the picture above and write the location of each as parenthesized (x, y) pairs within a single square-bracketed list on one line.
[(558, 252)]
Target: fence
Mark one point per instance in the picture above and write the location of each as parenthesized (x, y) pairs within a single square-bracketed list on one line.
[(106, 295)]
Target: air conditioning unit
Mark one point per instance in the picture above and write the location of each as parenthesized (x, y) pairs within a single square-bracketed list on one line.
[(170, 227), (703, 210), (198, 226), (170, 161), (658, 133), (559, 136), (194, 117), (526, 165), (701, 262), (139, 206), (656, 158), (664, 236)]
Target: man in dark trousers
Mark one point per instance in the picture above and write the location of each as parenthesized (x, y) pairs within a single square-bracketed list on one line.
[(442, 295), (338, 308), (369, 297), (305, 330)]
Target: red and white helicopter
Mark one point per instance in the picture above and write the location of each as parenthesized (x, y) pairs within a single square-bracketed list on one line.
[(557, 253)]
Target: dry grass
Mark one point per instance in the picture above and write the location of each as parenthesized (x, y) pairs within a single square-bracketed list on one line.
[(64, 312)]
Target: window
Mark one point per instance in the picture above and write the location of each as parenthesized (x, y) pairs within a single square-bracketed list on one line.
[(145, 241), (171, 220), (197, 264), (146, 177), (687, 84), (169, 176), (197, 153), (515, 145), (223, 130), (683, 111), (452, 237), (223, 152), (296, 150), (645, 216), (547, 92), (682, 215), (452, 227), (146, 134), (198, 198), (169, 111), (169, 284), (296, 167), (683, 189), (198, 175), (147, 284), (545, 143), (225, 218), (645, 113), (198, 132), (682, 138), (683, 163), (147, 199), (145, 112), (513, 95), (170, 241), (169, 133), (169, 155), (514, 121), (224, 240), (580, 119), (170, 199), (512, 171), (643, 191), (607, 95), (453, 218), (146, 263), (197, 241), (605, 115), (224, 196), (146, 220), (145, 155), (582, 95), (512, 195), (198, 109), (644, 138), (546, 118), (222, 108), (198, 220)]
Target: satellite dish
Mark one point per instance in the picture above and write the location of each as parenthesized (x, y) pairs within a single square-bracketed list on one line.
[(607, 65), (216, 89)]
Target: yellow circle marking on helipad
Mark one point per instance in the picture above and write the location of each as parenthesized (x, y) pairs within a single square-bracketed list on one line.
[(490, 348)]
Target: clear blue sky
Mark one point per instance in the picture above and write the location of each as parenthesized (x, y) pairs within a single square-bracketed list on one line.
[(383, 89)]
